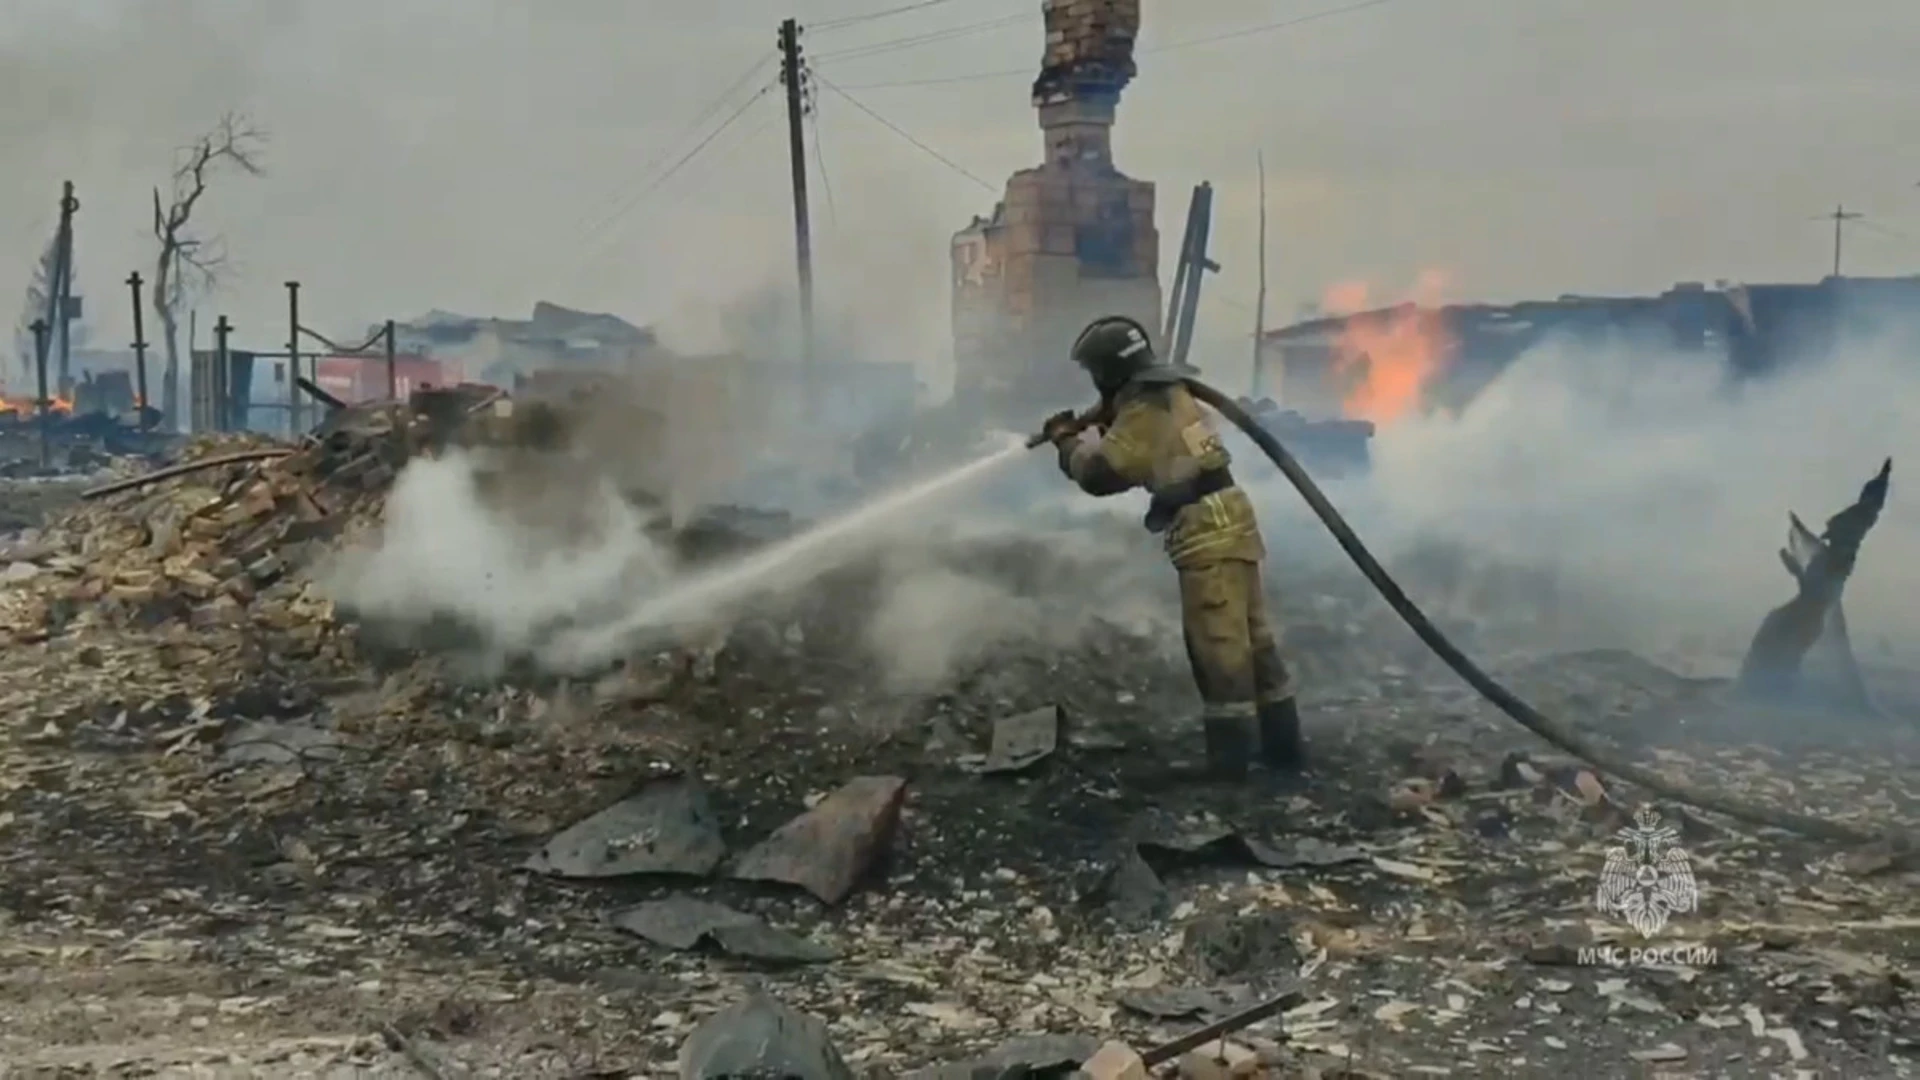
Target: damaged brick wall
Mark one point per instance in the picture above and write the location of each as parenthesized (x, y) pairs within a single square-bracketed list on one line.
[(1073, 238)]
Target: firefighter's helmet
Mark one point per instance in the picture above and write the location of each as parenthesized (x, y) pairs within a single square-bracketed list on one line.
[(1113, 350)]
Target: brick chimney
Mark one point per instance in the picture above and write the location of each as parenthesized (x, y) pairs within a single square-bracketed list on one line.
[(1073, 238), (1088, 62)]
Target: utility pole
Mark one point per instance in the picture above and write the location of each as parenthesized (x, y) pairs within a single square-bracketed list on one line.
[(57, 288), (1260, 300), (69, 307), (193, 349), (222, 395), (393, 366), (40, 332), (793, 75), (139, 352), (1841, 215), (293, 360)]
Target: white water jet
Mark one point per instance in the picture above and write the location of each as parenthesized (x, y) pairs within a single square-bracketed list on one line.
[(790, 562)]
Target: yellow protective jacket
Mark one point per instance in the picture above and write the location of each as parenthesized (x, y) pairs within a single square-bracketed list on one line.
[(1161, 440)]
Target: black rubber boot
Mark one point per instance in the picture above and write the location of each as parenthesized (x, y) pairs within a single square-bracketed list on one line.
[(1231, 744), (1280, 744)]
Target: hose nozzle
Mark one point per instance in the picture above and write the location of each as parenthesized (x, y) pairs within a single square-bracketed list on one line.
[(1065, 424)]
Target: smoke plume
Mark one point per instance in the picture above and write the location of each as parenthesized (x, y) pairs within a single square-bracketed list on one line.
[(1648, 490), (505, 570)]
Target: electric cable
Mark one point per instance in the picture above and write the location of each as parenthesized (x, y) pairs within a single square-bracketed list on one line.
[(686, 159), (616, 205), (1883, 230), (1546, 727), (1267, 28), (898, 130), (608, 231), (700, 120), (819, 154), (1004, 73), (1232, 35), (335, 346), (915, 41), (854, 20)]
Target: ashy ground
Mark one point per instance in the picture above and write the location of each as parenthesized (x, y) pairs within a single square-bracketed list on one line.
[(348, 898)]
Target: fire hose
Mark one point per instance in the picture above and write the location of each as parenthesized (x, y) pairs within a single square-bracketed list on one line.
[(1547, 728)]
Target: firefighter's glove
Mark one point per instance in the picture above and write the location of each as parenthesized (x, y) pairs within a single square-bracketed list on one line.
[(1062, 428)]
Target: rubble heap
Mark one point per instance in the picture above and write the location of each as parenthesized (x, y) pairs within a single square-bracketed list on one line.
[(206, 548), (1009, 847)]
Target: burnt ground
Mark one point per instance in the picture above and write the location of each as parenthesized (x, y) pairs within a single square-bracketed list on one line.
[(26, 501), (167, 908)]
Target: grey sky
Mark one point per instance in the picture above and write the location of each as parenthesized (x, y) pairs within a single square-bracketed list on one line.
[(468, 154)]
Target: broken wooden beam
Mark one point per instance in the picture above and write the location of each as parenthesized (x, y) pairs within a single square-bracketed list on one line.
[(1820, 566), (313, 390), (184, 468)]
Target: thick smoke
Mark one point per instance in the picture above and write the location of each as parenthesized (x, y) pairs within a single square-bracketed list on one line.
[(503, 569), (1612, 495), (933, 619), (545, 562), (559, 555), (1649, 490)]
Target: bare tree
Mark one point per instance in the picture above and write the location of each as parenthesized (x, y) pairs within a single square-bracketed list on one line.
[(34, 307), (187, 262)]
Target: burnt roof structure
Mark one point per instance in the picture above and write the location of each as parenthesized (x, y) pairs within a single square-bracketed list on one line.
[(1754, 329)]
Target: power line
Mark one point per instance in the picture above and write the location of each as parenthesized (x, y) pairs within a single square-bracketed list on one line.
[(1232, 35), (704, 143), (614, 204), (712, 161), (606, 227), (851, 20), (627, 205), (820, 158), (1875, 227), (700, 120), (915, 41), (753, 133), (1008, 73), (1267, 28), (897, 130)]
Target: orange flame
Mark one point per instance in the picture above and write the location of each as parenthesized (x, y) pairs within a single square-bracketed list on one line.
[(30, 407), (1387, 357)]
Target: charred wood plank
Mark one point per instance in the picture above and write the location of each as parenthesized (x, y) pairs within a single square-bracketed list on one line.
[(1820, 566)]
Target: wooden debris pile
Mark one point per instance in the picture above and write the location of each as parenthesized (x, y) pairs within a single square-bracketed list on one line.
[(214, 540)]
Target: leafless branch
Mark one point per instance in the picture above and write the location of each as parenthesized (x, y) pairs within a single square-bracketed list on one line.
[(186, 262), (234, 142)]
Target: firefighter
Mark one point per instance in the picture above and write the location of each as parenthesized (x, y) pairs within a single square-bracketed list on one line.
[(1152, 434)]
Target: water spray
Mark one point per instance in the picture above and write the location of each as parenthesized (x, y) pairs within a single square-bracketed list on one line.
[(706, 596), (1069, 424)]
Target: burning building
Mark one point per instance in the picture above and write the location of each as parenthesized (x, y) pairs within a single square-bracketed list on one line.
[(1073, 238), (1381, 363)]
